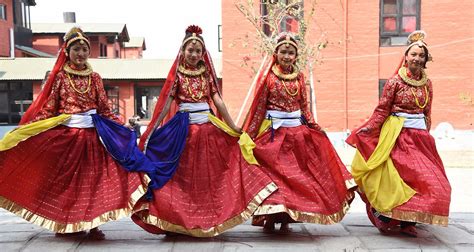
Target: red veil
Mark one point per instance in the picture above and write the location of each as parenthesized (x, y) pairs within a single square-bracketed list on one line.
[(40, 101), (165, 92), (260, 84)]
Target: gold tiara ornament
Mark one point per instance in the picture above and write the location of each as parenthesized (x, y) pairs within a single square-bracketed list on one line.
[(70, 38), (287, 42), (417, 38), (194, 39)]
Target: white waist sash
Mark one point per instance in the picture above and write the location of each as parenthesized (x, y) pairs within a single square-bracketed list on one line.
[(414, 121), (198, 117), (81, 120), (278, 122)]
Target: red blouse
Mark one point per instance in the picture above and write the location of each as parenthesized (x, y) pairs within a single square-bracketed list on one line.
[(64, 99), (398, 96), (193, 89), (277, 95)]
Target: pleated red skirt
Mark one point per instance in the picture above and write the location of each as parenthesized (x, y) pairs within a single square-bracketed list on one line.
[(313, 184), (417, 161), (64, 180), (213, 189)]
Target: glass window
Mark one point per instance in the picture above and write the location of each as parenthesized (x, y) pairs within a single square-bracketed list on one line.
[(219, 38), (146, 99), (381, 85), (113, 98), (3, 12), (398, 18), (15, 98), (289, 23)]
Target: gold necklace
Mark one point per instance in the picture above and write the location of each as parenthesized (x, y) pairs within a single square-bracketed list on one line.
[(200, 93), (188, 72), (74, 87), (417, 83), (84, 72), (287, 90), (283, 76), (416, 99)]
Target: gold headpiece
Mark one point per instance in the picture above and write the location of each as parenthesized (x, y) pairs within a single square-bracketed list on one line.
[(287, 41), (416, 38), (194, 38), (75, 34)]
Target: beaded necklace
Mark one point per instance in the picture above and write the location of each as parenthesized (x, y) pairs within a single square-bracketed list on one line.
[(288, 91), (416, 99), (71, 83)]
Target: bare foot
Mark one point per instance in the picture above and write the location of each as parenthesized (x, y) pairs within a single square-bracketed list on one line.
[(409, 231), (96, 234), (171, 234), (285, 227), (269, 227), (70, 234)]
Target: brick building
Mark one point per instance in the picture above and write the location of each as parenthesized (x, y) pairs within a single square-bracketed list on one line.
[(366, 42), (28, 51)]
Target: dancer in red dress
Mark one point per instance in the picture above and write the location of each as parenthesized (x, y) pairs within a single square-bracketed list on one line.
[(313, 183), (54, 171), (213, 188), (397, 167)]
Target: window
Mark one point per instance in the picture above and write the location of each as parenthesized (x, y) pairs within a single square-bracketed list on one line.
[(219, 38), (15, 98), (289, 23), (103, 50), (381, 85), (146, 98), (113, 98), (398, 18), (3, 12)]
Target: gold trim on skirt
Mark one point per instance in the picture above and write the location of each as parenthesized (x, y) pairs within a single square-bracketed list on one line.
[(77, 226), (308, 217), (212, 231), (419, 217)]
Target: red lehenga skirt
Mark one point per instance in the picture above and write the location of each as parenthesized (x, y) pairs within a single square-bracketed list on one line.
[(314, 185), (64, 180), (213, 189), (417, 161)]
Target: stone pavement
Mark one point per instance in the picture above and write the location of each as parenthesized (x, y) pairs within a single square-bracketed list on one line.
[(354, 233)]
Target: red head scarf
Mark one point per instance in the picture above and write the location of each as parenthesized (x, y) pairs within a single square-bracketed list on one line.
[(75, 34), (192, 32), (283, 39)]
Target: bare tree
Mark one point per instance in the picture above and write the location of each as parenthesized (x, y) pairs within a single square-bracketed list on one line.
[(267, 22)]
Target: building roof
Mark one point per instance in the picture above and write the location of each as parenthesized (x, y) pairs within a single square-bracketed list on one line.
[(19, 69), (135, 42), (33, 51), (89, 28)]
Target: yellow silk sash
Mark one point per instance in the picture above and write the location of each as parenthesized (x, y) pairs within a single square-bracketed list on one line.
[(245, 142), (13, 137), (378, 177)]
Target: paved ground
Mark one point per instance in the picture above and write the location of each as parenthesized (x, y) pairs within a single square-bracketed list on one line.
[(355, 233)]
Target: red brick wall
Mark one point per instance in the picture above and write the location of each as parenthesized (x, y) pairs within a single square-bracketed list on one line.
[(48, 44), (236, 80), (5, 26), (347, 79), (132, 53)]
